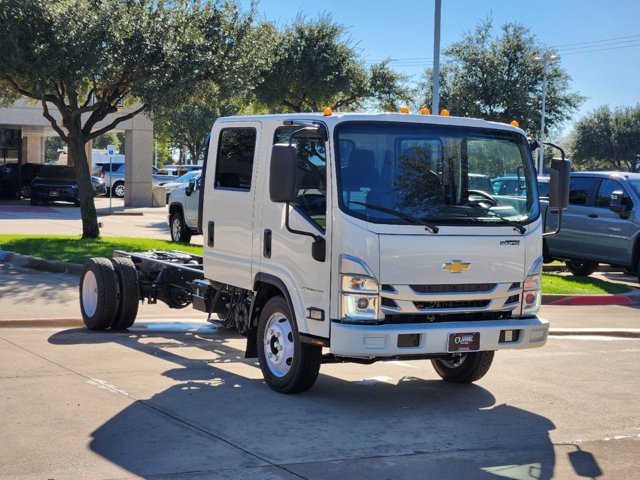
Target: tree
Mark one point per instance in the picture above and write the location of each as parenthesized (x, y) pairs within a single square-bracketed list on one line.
[(501, 79), (84, 59), (314, 66), (607, 139)]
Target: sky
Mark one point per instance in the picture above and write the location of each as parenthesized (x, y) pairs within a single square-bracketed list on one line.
[(598, 40)]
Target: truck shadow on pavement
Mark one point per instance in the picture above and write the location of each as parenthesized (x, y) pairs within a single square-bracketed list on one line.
[(218, 417)]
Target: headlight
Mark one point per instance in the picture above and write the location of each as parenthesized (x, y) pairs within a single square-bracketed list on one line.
[(359, 291), (531, 290)]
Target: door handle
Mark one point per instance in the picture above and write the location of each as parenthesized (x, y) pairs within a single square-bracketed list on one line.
[(266, 251), (210, 234), (592, 215)]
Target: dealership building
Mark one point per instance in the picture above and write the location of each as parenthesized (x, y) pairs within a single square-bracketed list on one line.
[(23, 130)]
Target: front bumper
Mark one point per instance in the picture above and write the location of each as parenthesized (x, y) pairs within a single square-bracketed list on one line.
[(370, 341)]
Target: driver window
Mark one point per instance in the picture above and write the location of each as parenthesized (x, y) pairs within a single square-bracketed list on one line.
[(311, 180)]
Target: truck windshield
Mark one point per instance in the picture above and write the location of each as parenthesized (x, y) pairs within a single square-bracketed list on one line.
[(444, 175)]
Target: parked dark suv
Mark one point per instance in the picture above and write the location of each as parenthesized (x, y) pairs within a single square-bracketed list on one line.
[(601, 225), (58, 183)]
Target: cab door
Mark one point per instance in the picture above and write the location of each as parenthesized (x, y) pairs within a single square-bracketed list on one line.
[(610, 237), (228, 205), (286, 251)]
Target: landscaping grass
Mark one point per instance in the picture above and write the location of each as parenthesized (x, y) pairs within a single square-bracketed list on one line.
[(73, 249), (571, 285)]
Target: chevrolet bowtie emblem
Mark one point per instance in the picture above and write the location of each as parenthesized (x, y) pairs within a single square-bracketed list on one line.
[(456, 266)]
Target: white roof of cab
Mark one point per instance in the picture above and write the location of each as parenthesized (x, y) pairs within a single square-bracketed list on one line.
[(338, 117)]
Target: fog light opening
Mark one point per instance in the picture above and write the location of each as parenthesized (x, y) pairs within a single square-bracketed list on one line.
[(363, 303)]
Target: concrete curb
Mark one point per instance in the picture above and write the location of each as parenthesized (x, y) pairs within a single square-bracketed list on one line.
[(53, 266), (36, 263), (630, 299), (598, 332)]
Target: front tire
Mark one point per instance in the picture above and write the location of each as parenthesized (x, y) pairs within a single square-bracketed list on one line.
[(470, 367), (179, 230), (581, 268), (287, 364), (118, 189), (98, 293)]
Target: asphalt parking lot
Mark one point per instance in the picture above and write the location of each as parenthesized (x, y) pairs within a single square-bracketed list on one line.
[(174, 397)]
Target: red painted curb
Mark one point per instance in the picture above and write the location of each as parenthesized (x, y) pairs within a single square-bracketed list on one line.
[(594, 300)]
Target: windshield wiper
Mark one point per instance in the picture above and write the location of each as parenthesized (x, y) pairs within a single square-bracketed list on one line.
[(506, 221), (404, 216)]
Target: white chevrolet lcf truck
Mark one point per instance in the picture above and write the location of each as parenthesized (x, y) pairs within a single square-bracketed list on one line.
[(352, 238)]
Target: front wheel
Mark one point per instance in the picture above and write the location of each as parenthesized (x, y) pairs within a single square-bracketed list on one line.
[(581, 268), (467, 368), (118, 190), (287, 364)]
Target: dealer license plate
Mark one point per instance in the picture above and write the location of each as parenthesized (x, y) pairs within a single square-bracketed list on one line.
[(464, 342), (54, 193)]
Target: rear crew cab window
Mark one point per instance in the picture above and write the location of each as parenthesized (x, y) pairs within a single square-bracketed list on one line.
[(580, 188), (234, 166)]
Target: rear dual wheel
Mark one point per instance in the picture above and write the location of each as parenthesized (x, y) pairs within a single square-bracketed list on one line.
[(109, 293)]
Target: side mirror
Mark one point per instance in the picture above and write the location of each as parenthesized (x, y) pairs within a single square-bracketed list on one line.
[(559, 184), (191, 186), (618, 203), (282, 174)]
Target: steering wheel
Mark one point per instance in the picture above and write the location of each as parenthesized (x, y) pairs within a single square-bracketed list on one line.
[(486, 198)]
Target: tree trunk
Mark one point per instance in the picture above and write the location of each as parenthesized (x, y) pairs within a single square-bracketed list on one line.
[(78, 154)]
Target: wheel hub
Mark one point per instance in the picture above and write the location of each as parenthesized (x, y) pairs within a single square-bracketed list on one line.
[(278, 345)]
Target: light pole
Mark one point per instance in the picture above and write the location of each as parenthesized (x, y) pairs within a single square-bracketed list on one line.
[(435, 101), (546, 59)]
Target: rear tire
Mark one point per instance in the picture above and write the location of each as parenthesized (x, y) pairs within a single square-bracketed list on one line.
[(98, 293), (179, 230), (129, 296), (581, 268), (287, 364), (473, 366)]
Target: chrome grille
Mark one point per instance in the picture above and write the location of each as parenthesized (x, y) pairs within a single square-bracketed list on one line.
[(448, 299)]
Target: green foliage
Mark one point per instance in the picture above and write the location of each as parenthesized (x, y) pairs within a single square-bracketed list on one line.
[(110, 138), (87, 58), (500, 79), (313, 65), (607, 139), (74, 249), (572, 285), (51, 147)]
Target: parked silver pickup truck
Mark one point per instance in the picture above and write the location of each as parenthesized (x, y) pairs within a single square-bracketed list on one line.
[(183, 210), (601, 225)]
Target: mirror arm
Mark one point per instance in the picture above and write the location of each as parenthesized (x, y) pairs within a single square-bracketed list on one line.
[(557, 230), (558, 147), (316, 238)]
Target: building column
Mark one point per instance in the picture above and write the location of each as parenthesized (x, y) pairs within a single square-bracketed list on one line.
[(32, 149), (138, 151)]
